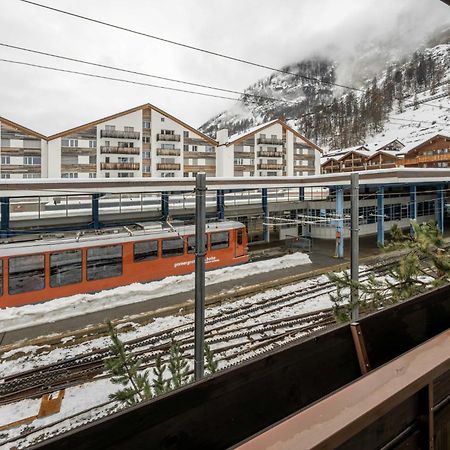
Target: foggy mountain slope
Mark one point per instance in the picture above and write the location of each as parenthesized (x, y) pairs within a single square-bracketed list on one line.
[(353, 116)]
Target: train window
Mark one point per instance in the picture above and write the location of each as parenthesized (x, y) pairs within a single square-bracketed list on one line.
[(219, 240), (65, 268), (191, 243), (104, 262), (240, 236), (172, 247), (26, 273), (145, 251)]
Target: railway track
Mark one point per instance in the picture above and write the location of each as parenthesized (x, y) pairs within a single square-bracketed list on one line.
[(246, 327)]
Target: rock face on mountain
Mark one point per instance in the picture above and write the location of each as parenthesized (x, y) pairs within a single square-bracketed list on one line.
[(333, 116)]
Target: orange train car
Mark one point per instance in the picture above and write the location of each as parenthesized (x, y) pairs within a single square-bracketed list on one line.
[(37, 271)]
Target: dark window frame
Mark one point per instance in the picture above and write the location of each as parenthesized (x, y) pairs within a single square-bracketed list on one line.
[(172, 254), (88, 277), (15, 291), (51, 283), (152, 258), (219, 246)]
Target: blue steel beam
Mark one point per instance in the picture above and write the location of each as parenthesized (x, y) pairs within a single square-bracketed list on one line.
[(220, 204), (265, 208), (95, 212), (4, 225), (412, 205), (439, 208), (301, 194), (340, 222), (380, 217), (164, 206)]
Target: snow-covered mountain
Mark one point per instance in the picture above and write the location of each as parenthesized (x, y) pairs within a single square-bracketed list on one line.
[(343, 118)]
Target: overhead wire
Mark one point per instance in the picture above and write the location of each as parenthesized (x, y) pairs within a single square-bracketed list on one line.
[(191, 47), (134, 72)]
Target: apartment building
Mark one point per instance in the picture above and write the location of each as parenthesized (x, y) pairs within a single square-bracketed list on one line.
[(143, 141), (270, 149), (22, 151), (147, 142)]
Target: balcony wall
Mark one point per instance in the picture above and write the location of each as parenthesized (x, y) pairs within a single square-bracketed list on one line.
[(119, 166), (120, 134), (168, 137), (168, 166), (120, 150), (168, 151)]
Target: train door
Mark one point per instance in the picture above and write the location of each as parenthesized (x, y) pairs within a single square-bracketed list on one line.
[(240, 242)]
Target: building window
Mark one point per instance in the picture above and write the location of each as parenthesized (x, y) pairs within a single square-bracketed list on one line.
[(107, 143), (209, 148), (146, 139), (5, 175), (31, 160), (69, 143), (171, 146), (31, 175), (168, 132), (186, 134), (146, 169), (6, 160), (26, 273), (194, 148), (104, 262), (131, 129), (92, 144), (125, 159), (185, 147), (65, 268), (146, 125), (110, 127), (147, 155), (125, 174), (168, 175), (107, 174), (69, 175), (125, 144), (145, 251), (238, 161), (92, 159), (162, 119)]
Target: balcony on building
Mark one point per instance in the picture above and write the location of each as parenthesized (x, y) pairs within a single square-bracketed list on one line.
[(269, 140), (270, 153), (168, 152), (168, 166), (119, 166), (270, 166), (168, 137), (119, 150), (120, 134)]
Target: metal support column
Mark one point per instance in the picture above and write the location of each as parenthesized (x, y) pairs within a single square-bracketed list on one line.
[(380, 217), (339, 222), (164, 206), (200, 252), (265, 208), (354, 238), (439, 208), (95, 212), (4, 231), (301, 194), (412, 205), (220, 204)]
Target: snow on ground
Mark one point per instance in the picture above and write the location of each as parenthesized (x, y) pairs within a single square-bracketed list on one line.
[(96, 392), (18, 317)]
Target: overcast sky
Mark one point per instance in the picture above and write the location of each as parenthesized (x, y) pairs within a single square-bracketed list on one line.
[(272, 32)]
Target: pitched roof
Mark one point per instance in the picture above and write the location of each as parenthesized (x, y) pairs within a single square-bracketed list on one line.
[(22, 128), (129, 111), (417, 144), (238, 137)]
